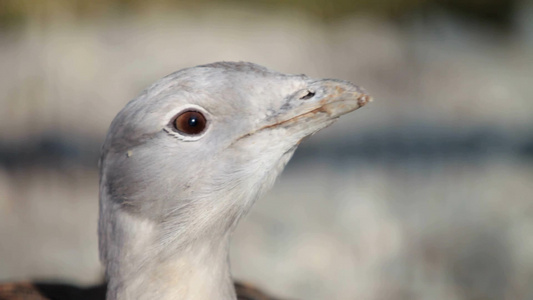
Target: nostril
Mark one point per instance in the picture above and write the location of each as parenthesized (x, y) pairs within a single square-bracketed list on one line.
[(309, 95)]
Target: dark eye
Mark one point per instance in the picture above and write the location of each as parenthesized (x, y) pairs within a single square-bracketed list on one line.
[(190, 122)]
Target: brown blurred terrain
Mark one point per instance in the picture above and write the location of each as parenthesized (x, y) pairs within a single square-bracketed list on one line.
[(425, 194)]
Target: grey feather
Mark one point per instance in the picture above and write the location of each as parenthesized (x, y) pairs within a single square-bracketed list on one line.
[(169, 201)]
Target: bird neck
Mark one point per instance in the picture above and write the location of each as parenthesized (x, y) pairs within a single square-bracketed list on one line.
[(198, 270)]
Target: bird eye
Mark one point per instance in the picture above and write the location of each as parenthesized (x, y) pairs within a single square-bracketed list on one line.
[(190, 122)]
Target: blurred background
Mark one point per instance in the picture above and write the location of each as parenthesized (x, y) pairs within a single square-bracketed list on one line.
[(426, 193)]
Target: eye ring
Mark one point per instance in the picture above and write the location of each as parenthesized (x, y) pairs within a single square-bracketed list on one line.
[(190, 122)]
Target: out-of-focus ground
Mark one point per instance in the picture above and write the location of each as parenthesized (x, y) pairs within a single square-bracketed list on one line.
[(426, 193)]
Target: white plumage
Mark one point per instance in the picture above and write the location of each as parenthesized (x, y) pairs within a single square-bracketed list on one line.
[(187, 158)]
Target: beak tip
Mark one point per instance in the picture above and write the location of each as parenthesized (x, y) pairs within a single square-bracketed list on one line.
[(363, 99)]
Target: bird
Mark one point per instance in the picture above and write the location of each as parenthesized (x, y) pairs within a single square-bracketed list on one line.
[(184, 161)]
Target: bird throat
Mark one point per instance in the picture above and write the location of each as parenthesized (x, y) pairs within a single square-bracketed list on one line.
[(185, 255), (138, 270)]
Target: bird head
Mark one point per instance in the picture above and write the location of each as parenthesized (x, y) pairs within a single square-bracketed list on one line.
[(189, 155)]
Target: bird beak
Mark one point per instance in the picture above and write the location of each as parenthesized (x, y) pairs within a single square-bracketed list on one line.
[(337, 97), (315, 108), (324, 102)]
